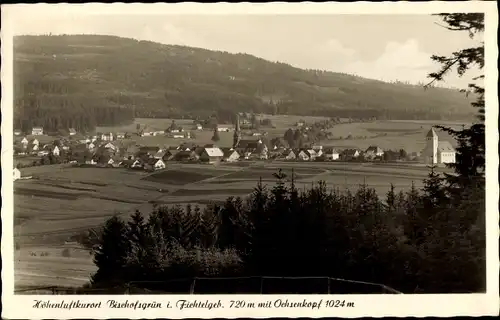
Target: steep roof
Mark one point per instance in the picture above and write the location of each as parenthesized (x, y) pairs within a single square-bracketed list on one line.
[(214, 152), (432, 133), (445, 146)]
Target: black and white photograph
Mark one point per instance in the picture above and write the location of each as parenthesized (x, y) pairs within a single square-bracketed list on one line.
[(248, 154)]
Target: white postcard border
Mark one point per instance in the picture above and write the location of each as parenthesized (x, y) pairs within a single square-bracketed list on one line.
[(21, 306)]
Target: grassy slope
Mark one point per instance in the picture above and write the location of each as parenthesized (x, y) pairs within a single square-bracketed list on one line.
[(153, 78)]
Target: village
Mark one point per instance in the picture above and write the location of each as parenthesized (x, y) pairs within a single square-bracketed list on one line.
[(120, 150)]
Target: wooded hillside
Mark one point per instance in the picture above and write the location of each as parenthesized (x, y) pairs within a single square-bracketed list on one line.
[(83, 80)]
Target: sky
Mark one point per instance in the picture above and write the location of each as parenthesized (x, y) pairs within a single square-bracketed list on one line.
[(384, 47)]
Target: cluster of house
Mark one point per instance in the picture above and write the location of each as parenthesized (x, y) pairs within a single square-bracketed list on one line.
[(155, 157)]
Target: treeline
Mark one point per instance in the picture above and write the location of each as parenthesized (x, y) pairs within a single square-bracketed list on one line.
[(420, 241), (59, 113)]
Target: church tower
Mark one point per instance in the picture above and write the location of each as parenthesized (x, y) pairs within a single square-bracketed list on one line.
[(432, 147), (237, 132)]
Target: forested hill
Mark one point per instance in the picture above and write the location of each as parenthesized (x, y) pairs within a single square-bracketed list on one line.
[(83, 80)]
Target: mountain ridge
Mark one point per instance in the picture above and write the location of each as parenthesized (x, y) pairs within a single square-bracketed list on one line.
[(149, 79)]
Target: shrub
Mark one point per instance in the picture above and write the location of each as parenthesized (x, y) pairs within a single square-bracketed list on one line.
[(66, 253)]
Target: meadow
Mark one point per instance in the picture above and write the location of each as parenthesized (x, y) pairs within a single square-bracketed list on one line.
[(61, 201)]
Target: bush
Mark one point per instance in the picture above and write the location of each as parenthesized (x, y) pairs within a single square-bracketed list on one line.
[(66, 253)]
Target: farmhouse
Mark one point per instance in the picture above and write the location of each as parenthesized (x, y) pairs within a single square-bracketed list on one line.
[(91, 146), (154, 164), (17, 174), (120, 135), (158, 133), (199, 127), (438, 152), (223, 129), (24, 142), (331, 154), (312, 154), (17, 132), (137, 164), (72, 131), (350, 154), (374, 151), (303, 155), (37, 131), (211, 155), (318, 150), (289, 155), (230, 155), (35, 142)]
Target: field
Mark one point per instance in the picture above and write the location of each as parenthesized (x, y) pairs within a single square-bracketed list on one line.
[(388, 134), (60, 201)]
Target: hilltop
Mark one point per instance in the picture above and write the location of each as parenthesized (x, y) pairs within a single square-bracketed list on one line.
[(87, 80)]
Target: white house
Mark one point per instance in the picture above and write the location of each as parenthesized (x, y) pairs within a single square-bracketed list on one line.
[(43, 153), (374, 151), (37, 131), (230, 155), (56, 151), (25, 142), (211, 155), (35, 142), (178, 136), (438, 152), (303, 155), (17, 174), (312, 154), (331, 154), (72, 131), (290, 155), (154, 164), (120, 135), (223, 129), (137, 164), (318, 150), (111, 146), (17, 132), (199, 127), (107, 136), (91, 146)]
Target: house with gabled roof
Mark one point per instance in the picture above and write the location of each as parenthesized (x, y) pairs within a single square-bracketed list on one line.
[(350, 154), (289, 155), (24, 142), (154, 164), (230, 155), (211, 155), (330, 153), (373, 152), (72, 131)]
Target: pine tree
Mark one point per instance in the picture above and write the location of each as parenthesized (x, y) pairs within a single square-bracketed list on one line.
[(215, 137), (470, 158), (112, 253)]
